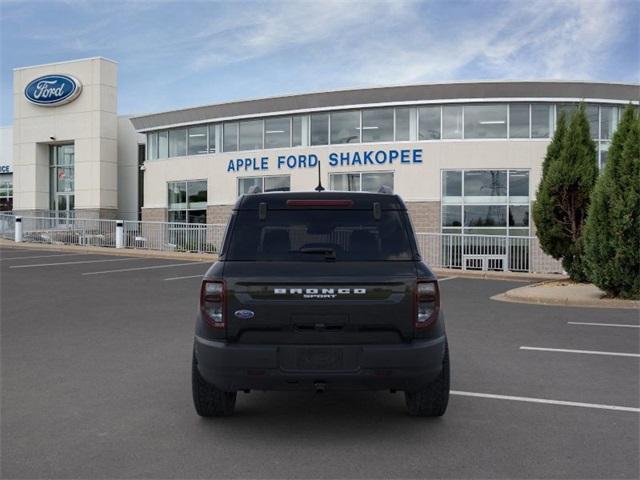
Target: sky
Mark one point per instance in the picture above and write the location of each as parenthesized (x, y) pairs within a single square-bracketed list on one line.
[(176, 54)]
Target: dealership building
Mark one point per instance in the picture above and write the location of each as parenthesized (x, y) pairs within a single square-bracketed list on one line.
[(466, 157)]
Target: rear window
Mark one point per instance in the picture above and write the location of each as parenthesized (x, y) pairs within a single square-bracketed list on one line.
[(319, 235)]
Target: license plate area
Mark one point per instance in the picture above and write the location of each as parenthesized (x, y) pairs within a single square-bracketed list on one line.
[(318, 358)]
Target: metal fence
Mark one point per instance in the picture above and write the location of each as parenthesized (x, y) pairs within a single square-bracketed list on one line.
[(182, 237), (439, 250), (486, 252), (69, 231), (7, 226)]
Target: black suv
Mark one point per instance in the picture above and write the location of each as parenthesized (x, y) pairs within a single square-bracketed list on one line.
[(320, 290)]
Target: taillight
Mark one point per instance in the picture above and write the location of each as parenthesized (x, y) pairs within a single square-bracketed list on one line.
[(427, 303), (212, 299)]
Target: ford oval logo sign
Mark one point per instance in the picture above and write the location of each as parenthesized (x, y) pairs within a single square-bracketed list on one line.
[(244, 314), (53, 90)]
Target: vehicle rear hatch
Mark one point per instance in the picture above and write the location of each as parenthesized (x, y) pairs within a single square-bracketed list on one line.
[(320, 302)]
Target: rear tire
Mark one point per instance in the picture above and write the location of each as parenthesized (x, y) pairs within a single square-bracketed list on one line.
[(432, 400), (208, 400)]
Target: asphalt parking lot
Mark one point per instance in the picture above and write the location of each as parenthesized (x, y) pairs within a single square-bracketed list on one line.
[(96, 354)]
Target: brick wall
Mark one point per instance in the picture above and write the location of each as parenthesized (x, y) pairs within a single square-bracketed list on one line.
[(425, 216), (219, 213), (154, 214)]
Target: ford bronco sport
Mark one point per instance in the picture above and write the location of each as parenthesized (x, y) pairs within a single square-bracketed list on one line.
[(320, 290)]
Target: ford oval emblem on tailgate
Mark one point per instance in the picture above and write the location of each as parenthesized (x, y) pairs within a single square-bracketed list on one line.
[(244, 314)]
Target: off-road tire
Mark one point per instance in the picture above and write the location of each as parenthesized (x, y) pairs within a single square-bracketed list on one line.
[(433, 399), (208, 400)]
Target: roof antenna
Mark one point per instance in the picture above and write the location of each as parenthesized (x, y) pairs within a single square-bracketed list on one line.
[(319, 188)]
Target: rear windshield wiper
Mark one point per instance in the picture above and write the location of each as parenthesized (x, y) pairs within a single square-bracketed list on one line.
[(329, 253)]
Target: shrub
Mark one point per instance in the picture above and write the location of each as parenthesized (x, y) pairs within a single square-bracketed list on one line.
[(612, 233)]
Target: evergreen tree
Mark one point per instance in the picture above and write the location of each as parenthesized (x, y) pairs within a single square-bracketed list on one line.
[(563, 197), (612, 233)]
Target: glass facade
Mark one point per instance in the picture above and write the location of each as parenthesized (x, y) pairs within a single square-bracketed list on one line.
[(485, 121), (429, 123), (187, 201), (360, 181), (277, 132), (384, 124), (377, 125), (487, 202), (62, 179), (276, 183), (345, 127), (6, 192)]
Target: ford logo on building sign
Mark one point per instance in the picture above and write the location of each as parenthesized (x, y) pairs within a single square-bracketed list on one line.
[(53, 90)]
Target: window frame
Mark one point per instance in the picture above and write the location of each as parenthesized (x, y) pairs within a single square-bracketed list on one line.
[(187, 208), (262, 181), (460, 203)]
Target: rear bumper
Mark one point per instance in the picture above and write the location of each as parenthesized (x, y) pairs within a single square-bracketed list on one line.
[(232, 367)]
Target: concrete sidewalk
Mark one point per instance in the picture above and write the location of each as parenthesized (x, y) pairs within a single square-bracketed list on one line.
[(565, 292)]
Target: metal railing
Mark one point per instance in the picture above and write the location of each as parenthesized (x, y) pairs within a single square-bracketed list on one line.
[(7, 226), (439, 250), (486, 252), (69, 231), (183, 237)]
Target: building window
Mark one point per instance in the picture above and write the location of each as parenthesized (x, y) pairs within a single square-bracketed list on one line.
[(188, 201), (277, 132), (519, 120), (377, 125), (251, 135), (608, 122), (345, 127), (276, 183), (485, 121), (296, 131), (360, 182), (230, 137), (197, 140), (163, 144), (320, 129), (592, 113), (212, 138), (429, 123), (452, 121), (541, 120), (452, 185), (152, 146), (178, 142), (6, 192), (487, 202), (403, 124), (61, 179)]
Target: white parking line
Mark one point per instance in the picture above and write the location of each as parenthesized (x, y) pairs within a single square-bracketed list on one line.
[(152, 267), (589, 352), (74, 263), (547, 401), (183, 278), (446, 278), (605, 324), (42, 256)]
